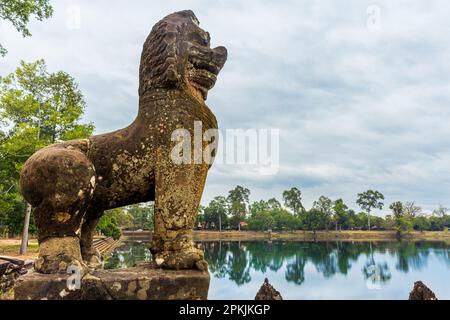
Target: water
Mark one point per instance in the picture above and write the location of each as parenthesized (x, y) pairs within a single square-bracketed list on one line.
[(315, 270)]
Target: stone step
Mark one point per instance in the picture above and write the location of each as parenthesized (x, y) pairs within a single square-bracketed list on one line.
[(144, 282)]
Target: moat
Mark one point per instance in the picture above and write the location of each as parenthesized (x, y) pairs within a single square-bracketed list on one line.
[(314, 270)]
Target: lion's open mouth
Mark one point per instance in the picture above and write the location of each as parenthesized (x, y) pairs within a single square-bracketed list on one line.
[(202, 75)]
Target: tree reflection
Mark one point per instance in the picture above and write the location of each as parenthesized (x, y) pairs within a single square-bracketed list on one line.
[(295, 271), (236, 260), (237, 265), (127, 255), (412, 255)]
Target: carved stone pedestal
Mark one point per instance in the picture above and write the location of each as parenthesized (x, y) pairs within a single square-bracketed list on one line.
[(138, 283)]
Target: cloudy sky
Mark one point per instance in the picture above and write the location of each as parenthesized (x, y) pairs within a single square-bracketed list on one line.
[(359, 90)]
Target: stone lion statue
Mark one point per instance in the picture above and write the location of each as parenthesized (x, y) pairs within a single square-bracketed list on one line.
[(71, 184)]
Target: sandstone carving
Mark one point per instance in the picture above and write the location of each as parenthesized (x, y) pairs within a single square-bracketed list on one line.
[(70, 184), (268, 292), (421, 292)]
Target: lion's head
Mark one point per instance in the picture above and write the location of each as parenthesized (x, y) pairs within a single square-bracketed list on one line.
[(177, 54)]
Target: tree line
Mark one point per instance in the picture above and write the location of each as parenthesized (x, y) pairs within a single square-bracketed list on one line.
[(236, 212)]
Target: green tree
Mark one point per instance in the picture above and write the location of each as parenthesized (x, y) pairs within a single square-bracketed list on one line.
[(361, 221), (293, 200), (369, 200), (403, 222), (351, 220), (37, 108), (258, 206), (314, 220), (340, 212), (142, 215), (238, 199), (284, 220), (421, 223), (109, 226), (216, 211), (325, 205), (273, 204), (113, 221), (19, 12), (261, 221)]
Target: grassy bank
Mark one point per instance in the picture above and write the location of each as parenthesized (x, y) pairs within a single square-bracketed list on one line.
[(320, 235), (11, 247)]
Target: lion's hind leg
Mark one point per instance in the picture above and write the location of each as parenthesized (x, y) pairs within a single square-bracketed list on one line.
[(59, 183), (91, 256)]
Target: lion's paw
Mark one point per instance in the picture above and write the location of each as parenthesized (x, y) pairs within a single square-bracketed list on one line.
[(184, 259)]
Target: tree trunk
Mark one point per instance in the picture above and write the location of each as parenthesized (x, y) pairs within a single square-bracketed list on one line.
[(26, 224), (220, 222), (368, 219)]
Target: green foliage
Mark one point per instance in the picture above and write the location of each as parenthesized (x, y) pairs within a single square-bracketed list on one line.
[(136, 216), (421, 223), (18, 12), (403, 220), (261, 221), (215, 214), (238, 199), (141, 216), (109, 226), (284, 220), (276, 219), (37, 108), (273, 204), (325, 206), (265, 215), (315, 219), (369, 200), (293, 200), (258, 206), (340, 213)]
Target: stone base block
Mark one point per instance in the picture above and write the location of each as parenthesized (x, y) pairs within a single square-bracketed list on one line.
[(143, 282)]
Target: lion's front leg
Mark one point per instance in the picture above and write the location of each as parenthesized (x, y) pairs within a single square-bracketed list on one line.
[(178, 193)]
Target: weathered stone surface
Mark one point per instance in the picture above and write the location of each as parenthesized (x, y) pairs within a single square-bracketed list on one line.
[(10, 270), (71, 184), (421, 292), (139, 283), (268, 292)]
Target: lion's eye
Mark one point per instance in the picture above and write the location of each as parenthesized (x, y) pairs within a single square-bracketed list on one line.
[(199, 39)]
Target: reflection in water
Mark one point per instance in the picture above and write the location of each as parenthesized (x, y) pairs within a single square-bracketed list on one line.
[(128, 254), (237, 263), (237, 259)]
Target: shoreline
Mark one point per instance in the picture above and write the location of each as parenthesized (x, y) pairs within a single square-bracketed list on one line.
[(320, 235)]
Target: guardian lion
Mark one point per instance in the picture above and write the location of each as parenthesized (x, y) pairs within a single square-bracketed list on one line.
[(71, 184)]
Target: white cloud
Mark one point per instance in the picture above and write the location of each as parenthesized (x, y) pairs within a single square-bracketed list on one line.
[(357, 108)]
